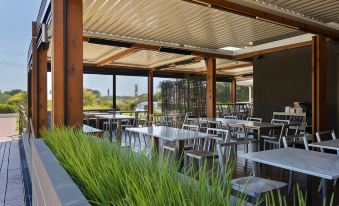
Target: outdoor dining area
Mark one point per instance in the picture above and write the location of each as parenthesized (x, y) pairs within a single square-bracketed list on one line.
[(279, 141), (270, 156)]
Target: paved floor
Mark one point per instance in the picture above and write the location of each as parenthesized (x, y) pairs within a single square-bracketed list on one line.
[(11, 186)]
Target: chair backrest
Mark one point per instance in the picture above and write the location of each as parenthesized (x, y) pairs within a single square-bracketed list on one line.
[(230, 117), (194, 128), (325, 134), (288, 138), (236, 130), (283, 130), (221, 133), (254, 119), (213, 124)]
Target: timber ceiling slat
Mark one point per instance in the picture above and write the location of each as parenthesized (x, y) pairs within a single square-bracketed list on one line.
[(176, 22), (323, 10)]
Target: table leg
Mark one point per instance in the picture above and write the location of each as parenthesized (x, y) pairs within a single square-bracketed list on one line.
[(180, 144), (97, 122), (324, 190), (119, 132), (155, 145), (259, 140), (110, 129), (255, 169)]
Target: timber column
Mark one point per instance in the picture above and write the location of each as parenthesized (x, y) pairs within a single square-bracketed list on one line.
[(67, 62)]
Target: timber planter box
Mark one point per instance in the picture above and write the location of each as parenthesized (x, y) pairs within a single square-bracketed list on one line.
[(51, 185)]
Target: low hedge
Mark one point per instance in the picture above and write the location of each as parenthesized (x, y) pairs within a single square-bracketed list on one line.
[(6, 108)]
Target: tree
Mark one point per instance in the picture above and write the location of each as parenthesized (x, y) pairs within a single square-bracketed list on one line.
[(223, 92), (89, 97), (13, 92), (19, 98)]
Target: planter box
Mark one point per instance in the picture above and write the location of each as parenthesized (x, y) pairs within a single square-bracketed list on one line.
[(51, 185)]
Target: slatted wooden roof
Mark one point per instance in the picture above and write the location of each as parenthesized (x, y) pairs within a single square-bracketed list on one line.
[(176, 22), (179, 24), (321, 10)]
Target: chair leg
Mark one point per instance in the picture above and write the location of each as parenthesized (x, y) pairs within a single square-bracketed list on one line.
[(320, 185)]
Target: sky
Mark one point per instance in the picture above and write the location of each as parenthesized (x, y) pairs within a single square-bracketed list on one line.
[(16, 18)]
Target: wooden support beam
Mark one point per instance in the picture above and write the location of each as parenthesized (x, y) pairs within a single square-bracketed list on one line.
[(234, 91), (34, 78), (67, 62), (144, 45), (318, 84), (42, 91), (235, 66), (271, 50), (251, 10), (29, 94), (117, 56), (211, 87), (150, 92)]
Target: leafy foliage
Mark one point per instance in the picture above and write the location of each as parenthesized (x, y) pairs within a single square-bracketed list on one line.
[(6, 108), (19, 98)]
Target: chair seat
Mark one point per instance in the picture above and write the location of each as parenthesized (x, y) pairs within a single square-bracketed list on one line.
[(200, 154), (254, 186), (172, 146)]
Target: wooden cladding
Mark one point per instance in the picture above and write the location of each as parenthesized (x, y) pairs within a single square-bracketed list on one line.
[(42, 91), (67, 62), (211, 88)]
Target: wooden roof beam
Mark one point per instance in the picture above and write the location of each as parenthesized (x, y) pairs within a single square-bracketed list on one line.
[(118, 56), (262, 12), (271, 50), (145, 45)]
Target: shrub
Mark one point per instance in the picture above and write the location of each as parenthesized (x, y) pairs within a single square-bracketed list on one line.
[(108, 175), (6, 108)]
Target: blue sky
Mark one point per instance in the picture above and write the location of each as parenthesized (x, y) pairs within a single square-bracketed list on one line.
[(16, 18)]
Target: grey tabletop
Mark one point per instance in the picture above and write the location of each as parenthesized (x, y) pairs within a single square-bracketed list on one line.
[(329, 144), (255, 125), (318, 164), (222, 120), (169, 133), (115, 116), (88, 129)]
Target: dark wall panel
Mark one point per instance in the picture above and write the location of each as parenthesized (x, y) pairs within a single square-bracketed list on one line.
[(280, 79)]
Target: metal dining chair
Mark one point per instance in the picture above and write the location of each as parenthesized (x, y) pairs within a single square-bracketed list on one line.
[(204, 148), (255, 187), (254, 119), (171, 146), (230, 117), (274, 137), (286, 142), (328, 134)]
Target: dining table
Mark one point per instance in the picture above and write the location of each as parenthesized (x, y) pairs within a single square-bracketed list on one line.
[(179, 136), (113, 117), (310, 163)]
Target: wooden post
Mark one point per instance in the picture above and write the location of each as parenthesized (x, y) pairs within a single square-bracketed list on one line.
[(34, 78), (318, 84), (234, 91), (67, 62), (211, 88), (114, 92), (42, 90), (150, 92), (29, 94)]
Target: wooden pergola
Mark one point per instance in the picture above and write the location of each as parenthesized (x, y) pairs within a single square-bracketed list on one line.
[(162, 38)]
